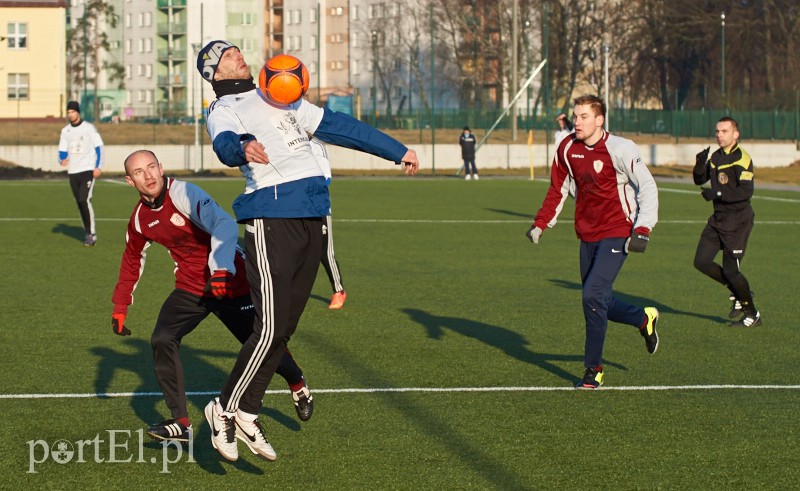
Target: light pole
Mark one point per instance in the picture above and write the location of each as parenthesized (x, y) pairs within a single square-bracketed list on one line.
[(527, 74), (723, 53), (606, 50), (196, 51), (374, 81)]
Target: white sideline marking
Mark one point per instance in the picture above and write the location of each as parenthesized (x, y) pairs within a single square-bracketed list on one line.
[(103, 395), (755, 196), (391, 220)]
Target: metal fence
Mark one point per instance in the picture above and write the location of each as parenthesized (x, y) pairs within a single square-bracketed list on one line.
[(767, 125)]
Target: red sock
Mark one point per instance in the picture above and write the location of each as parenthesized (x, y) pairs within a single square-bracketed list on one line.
[(299, 385), (184, 421)]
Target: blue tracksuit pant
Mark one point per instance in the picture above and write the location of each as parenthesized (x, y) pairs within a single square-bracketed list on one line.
[(600, 263)]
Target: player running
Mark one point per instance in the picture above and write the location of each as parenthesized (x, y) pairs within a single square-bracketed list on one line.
[(616, 208)]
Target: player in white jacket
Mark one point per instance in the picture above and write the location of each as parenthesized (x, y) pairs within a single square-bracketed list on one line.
[(80, 150)]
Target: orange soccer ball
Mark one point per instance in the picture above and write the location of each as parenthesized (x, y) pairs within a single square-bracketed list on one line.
[(283, 79)]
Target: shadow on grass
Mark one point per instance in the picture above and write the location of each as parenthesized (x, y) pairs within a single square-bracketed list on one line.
[(198, 371), (70, 231), (527, 216), (642, 301), (511, 343)]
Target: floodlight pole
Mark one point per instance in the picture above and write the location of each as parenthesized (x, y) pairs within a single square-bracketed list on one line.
[(606, 50), (723, 53)]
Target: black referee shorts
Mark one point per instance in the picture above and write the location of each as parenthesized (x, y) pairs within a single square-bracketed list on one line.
[(728, 231)]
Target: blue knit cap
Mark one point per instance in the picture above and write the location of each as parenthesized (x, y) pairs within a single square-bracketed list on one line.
[(208, 58)]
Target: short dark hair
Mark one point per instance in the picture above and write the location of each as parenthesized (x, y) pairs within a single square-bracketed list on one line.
[(595, 102), (729, 120), (466, 128)]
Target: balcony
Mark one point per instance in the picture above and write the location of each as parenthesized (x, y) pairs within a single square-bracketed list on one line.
[(175, 28), (166, 54), (178, 80), (176, 4)]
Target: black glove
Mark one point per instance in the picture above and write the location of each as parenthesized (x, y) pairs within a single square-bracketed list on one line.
[(709, 194), (701, 158), (638, 240), (219, 285)]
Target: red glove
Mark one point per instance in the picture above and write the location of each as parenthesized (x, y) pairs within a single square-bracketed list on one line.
[(219, 284), (118, 320)]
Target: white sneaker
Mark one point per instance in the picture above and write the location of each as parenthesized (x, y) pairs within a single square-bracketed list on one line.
[(251, 433), (223, 430), (468, 177), (477, 177)]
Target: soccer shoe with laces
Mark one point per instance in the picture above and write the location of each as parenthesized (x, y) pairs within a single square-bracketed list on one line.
[(749, 320), (223, 430), (91, 240), (592, 378), (648, 332), (303, 403), (736, 306), (251, 433), (337, 300), (171, 429)]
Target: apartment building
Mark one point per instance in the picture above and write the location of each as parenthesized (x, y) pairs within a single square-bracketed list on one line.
[(32, 59)]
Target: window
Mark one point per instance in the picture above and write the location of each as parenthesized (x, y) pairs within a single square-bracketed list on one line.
[(355, 67), (140, 95), (128, 45), (248, 19), (148, 19), (312, 67), (288, 43), (314, 42), (298, 42), (17, 35), (354, 12), (312, 15), (354, 39), (376, 11), (140, 70), (148, 96), (128, 72), (148, 45), (298, 17), (337, 11), (128, 97), (18, 86), (127, 20), (141, 45), (148, 71)]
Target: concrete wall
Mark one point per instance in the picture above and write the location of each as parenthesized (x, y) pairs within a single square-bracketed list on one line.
[(187, 157)]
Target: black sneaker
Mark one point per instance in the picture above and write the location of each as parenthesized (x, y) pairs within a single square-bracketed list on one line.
[(649, 330), (303, 403), (736, 306), (170, 429), (749, 320), (592, 379)]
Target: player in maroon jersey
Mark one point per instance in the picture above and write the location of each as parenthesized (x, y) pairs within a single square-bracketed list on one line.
[(210, 278), (616, 208)]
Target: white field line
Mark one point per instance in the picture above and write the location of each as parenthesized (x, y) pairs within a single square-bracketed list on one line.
[(391, 220), (104, 395), (756, 196)]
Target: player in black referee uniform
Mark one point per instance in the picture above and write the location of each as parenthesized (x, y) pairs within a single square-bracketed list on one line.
[(730, 172)]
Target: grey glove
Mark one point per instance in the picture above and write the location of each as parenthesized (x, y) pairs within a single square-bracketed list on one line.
[(533, 234)]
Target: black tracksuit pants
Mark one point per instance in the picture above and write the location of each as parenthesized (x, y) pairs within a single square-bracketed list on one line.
[(283, 256), (181, 313)]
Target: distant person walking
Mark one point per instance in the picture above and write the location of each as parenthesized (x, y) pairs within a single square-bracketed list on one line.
[(564, 128), (80, 150), (730, 172), (468, 141)]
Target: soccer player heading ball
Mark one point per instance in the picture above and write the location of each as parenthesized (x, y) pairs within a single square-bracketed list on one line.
[(616, 208), (283, 207)]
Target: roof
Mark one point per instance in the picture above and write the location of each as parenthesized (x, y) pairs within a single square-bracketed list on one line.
[(33, 3)]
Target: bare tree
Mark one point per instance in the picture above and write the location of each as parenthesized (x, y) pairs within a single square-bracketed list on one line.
[(85, 45)]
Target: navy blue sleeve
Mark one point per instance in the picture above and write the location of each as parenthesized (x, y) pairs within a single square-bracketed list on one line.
[(228, 147), (346, 131)]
